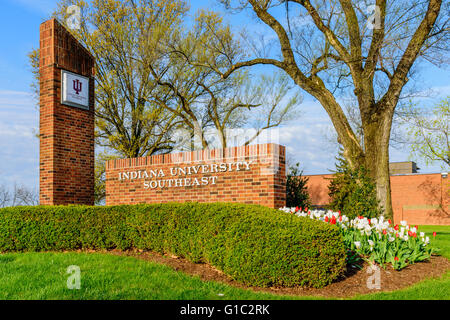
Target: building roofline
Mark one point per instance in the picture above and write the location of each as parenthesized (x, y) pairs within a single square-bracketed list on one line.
[(397, 174)]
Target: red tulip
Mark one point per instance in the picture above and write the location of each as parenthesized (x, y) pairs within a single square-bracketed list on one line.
[(411, 234), (384, 232), (296, 209), (306, 209), (326, 219), (368, 220), (333, 220), (390, 222), (434, 234), (396, 258), (396, 227)]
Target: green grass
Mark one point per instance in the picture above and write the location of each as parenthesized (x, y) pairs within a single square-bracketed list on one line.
[(442, 240), (104, 276), (431, 289)]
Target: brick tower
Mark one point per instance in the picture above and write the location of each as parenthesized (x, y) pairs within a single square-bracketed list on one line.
[(66, 159)]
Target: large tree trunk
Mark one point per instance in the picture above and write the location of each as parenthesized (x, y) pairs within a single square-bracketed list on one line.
[(377, 131)]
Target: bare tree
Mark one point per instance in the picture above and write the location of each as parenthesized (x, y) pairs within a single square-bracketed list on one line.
[(19, 195), (5, 196), (359, 48), (25, 196), (203, 99)]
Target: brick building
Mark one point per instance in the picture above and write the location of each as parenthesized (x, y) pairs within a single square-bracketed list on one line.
[(418, 198)]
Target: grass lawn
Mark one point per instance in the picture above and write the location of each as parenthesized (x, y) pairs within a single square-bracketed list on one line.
[(103, 276)]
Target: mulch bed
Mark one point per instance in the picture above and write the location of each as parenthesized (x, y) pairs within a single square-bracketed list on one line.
[(354, 282)]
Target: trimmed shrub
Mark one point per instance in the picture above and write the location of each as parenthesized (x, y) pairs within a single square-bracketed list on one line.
[(255, 245)]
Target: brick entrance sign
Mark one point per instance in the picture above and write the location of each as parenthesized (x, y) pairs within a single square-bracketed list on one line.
[(66, 126), (248, 174)]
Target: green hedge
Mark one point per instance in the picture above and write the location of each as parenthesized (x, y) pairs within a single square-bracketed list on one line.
[(252, 244)]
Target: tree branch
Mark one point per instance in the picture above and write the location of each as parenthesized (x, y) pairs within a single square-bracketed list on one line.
[(399, 78)]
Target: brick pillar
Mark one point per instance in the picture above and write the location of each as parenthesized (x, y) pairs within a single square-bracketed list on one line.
[(66, 160)]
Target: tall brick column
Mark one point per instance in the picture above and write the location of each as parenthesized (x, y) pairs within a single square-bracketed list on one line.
[(66, 160)]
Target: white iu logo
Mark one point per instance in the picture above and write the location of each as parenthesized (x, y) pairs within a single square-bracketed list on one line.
[(74, 281)]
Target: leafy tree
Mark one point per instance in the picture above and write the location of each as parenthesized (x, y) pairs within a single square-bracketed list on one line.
[(100, 176), (353, 191), (127, 120), (296, 188), (335, 48), (146, 94), (428, 133)]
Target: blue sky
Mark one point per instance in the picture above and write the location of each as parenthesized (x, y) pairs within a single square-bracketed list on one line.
[(19, 118)]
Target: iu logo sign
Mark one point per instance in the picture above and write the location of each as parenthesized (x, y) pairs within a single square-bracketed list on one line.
[(77, 86), (75, 90)]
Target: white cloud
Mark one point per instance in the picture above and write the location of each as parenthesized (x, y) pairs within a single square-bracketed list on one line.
[(19, 148)]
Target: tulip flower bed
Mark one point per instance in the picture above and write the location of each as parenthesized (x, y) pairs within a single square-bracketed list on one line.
[(375, 240)]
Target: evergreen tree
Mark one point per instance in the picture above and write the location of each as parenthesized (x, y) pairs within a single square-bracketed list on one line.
[(353, 191), (296, 190)]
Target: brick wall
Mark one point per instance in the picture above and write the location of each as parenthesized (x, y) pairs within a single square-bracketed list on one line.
[(66, 160), (248, 174), (318, 189), (421, 198), (416, 198)]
